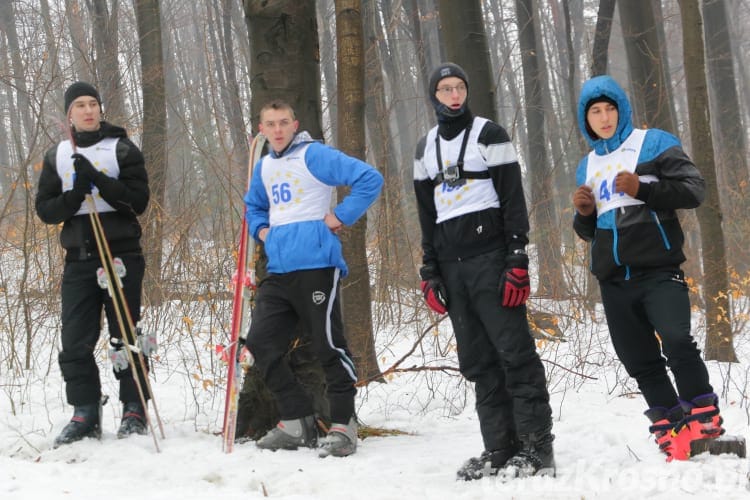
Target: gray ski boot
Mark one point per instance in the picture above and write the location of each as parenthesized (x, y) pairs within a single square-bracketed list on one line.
[(341, 440), (291, 434), (84, 423)]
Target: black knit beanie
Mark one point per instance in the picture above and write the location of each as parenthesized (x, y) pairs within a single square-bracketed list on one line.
[(601, 98), (79, 89), (444, 71)]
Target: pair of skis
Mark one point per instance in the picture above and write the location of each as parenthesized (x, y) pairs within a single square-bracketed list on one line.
[(244, 287)]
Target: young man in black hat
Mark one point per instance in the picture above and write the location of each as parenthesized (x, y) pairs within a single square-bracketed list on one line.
[(474, 224), (629, 188), (98, 160)]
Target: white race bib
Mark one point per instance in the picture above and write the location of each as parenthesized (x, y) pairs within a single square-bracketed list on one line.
[(602, 170)]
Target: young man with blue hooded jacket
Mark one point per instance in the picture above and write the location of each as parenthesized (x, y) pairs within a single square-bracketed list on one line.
[(289, 210), (629, 187)]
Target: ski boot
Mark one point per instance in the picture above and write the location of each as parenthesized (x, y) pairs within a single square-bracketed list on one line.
[(341, 440), (133, 420), (84, 423), (670, 432), (535, 457), (487, 464), (702, 417), (291, 434)]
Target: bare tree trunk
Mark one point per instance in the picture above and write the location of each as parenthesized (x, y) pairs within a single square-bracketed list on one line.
[(715, 281), (602, 33), (732, 158), (356, 299), (283, 40), (396, 265), (154, 139), (106, 40), (84, 69), (465, 38), (647, 60), (542, 194)]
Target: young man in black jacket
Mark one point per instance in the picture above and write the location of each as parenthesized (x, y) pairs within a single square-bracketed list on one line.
[(472, 212), (629, 188), (98, 161)]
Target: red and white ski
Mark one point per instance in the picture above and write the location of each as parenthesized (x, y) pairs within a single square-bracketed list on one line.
[(244, 287)]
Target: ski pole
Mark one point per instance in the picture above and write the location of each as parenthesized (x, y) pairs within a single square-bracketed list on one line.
[(121, 309)]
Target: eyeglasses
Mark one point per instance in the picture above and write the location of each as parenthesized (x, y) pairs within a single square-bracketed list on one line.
[(446, 91)]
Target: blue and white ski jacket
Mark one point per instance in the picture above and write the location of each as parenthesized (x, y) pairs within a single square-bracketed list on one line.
[(290, 194), (632, 235)]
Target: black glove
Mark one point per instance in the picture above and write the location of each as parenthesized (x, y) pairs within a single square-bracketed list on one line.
[(433, 289), (84, 167), (514, 282)]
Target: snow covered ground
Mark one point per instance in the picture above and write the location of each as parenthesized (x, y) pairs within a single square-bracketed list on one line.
[(602, 446)]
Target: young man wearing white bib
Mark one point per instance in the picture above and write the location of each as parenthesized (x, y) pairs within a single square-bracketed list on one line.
[(289, 210), (98, 160), (629, 187)]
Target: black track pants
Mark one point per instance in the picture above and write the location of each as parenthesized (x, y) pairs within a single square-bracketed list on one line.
[(312, 297), (638, 307)]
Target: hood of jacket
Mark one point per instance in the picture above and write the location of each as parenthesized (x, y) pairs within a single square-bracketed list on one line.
[(605, 86), (299, 139)]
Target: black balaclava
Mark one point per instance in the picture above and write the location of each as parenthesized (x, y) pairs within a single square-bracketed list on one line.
[(451, 122)]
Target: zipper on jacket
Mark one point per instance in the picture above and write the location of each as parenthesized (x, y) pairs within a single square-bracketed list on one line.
[(661, 231)]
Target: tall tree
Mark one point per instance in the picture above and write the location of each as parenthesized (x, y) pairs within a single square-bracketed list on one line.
[(154, 138), (356, 299), (106, 40), (465, 39), (731, 137), (715, 281), (601, 37), (647, 60), (395, 262), (542, 208), (284, 51)]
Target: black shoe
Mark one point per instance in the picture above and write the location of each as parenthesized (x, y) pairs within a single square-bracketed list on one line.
[(485, 465), (535, 457), (83, 424), (133, 420)]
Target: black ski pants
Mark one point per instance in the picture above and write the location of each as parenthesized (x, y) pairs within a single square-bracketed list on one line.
[(636, 309), (312, 297), (496, 351), (82, 303)]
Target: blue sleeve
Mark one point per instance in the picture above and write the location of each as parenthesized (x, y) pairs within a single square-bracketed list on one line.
[(256, 203), (334, 168), (581, 171)]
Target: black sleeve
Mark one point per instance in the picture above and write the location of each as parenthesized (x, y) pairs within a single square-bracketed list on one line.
[(52, 205), (129, 192), (505, 172), (585, 227), (424, 190), (680, 184)]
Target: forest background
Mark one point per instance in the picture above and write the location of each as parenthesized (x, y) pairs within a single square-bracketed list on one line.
[(187, 80)]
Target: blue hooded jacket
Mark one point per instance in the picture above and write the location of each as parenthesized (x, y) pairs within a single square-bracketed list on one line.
[(305, 241), (637, 238)]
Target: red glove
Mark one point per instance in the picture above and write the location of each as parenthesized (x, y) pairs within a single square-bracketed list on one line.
[(435, 295), (515, 287)]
